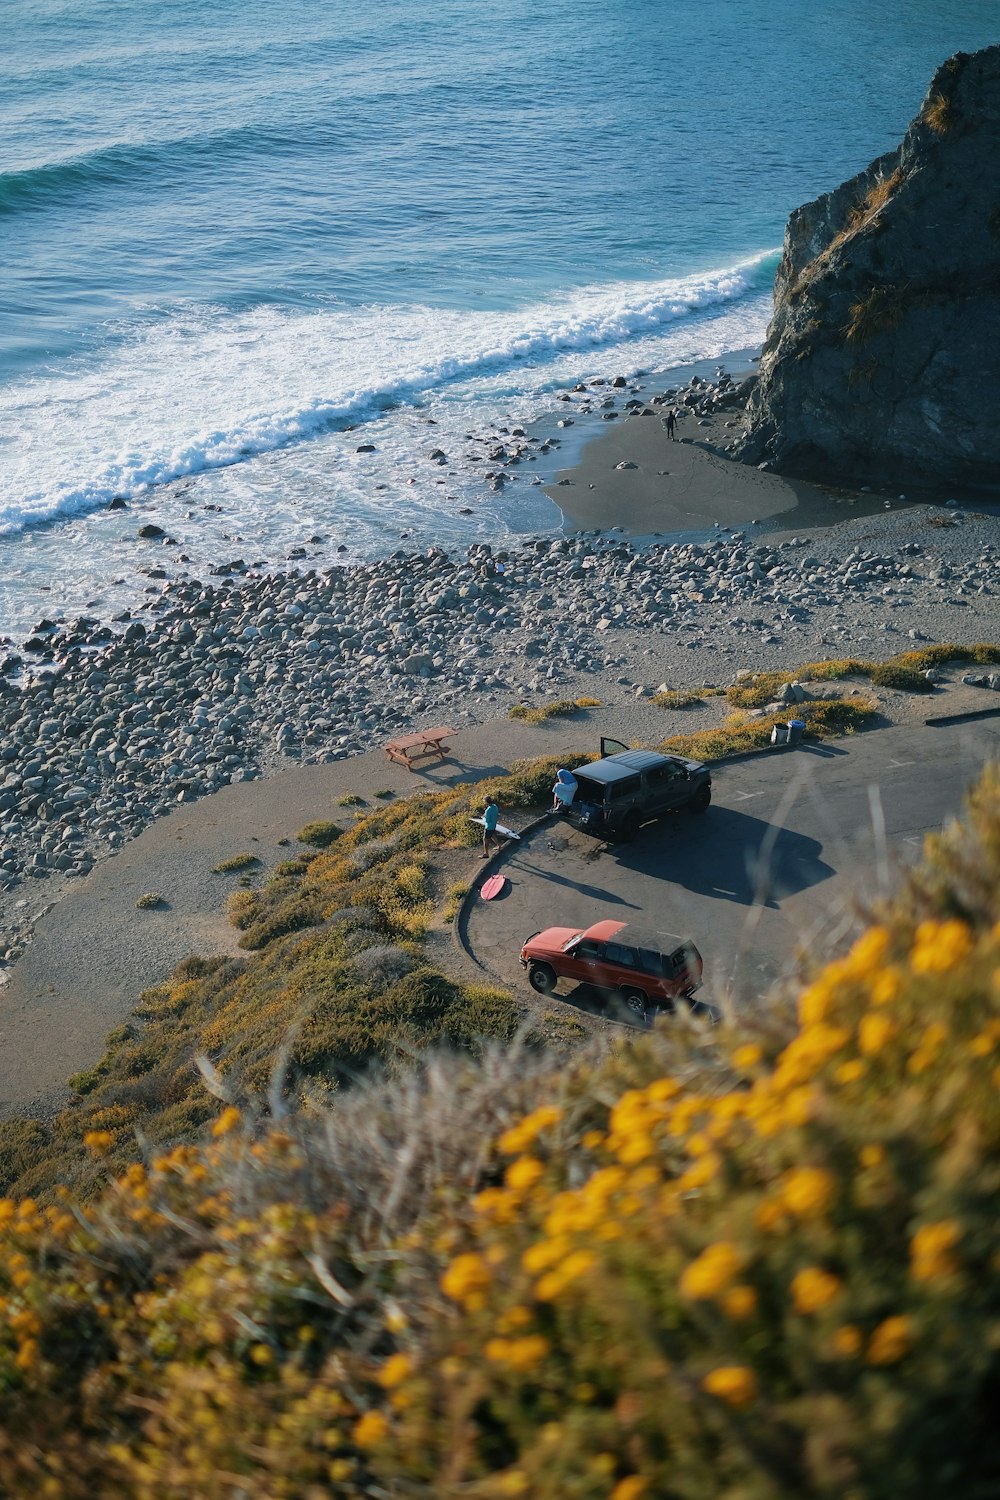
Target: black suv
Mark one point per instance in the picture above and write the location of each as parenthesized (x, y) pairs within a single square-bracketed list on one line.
[(617, 794)]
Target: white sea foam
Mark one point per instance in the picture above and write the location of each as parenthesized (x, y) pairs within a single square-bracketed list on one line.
[(205, 390)]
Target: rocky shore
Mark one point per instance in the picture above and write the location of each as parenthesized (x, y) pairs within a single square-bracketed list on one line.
[(232, 679)]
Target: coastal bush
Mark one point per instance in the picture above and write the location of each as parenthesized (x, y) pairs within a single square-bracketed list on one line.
[(319, 834), (149, 901), (235, 863), (350, 799), (674, 698), (560, 708), (760, 1260), (892, 674), (764, 687)]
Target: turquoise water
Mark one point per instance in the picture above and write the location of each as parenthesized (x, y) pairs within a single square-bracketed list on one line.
[(229, 231)]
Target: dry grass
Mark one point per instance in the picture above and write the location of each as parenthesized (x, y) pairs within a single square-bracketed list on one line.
[(235, 863), (939, 113), (675, 698), (880, 310), (560, 708)]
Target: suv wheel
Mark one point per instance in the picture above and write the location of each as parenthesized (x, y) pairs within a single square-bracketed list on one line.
[(629, 828), (701, 799), (542, 977), (635, 1000)]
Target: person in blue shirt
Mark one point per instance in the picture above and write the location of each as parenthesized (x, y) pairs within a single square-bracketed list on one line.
[(564, 790), (491, 816)]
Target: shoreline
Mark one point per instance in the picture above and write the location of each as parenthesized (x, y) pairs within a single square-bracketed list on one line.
[(241, 676)]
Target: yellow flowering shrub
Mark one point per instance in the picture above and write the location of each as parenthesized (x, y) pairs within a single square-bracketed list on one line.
[(760, 1262)]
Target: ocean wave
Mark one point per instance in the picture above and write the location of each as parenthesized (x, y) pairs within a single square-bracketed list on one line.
[(61, 182), (184, 397)]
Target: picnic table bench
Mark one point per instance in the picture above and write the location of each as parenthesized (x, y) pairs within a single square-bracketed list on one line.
[(407, 748)]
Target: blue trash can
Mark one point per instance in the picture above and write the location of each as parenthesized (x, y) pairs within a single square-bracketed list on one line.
[(796, 729)]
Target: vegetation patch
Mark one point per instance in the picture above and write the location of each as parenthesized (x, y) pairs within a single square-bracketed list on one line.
[(738, 1261), (453, 902), (880, 310), (149, 901), (899, 671), (560, 708), (235, 863), (940, 113), (350, 799), (677, 699), (319, 835)]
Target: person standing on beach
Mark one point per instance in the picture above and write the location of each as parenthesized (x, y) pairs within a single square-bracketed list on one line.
[(491, 816), (670, 422)]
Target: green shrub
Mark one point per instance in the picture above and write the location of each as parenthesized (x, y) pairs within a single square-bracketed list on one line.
[(235, 863), (148, 901), (320, 834), (560, 708), (676, 699), (904, 679)]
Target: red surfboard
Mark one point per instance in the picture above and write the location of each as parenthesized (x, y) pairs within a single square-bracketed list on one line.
[(492, 887)]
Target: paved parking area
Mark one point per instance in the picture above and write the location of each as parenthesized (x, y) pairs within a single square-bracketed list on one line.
[(793, 846)]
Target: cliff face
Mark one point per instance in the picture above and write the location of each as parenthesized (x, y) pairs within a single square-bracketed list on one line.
[(882, 361)]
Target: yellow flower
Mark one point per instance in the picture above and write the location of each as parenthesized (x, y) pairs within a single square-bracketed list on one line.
[(890, 1341), (540, 1256), (712, 1272), (847, 1340), (813, 1288), (734, 1384), (868, 953), (814, 1003), (630, 1488), (519, 1137), (886, 987), (370, 1430), (227, 1121), (523, 1173), (747, 1056), (521, 1354), (873, 1032), (98, 1142), (850, 1072), (395, 1370), (871, 1156), (513, 1483), (740, 1303), (930, 1249), (939, 946), (466, 1276), (807, 1191)]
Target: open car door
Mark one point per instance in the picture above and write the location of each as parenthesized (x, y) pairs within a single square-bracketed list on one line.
[(612, 747)]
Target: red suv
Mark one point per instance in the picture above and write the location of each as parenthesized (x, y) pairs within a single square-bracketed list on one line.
[(648, 970)]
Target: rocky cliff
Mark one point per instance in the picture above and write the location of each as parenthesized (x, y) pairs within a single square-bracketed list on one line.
[(882, 362)]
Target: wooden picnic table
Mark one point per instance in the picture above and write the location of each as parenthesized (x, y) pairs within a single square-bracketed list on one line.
[(407, 748)]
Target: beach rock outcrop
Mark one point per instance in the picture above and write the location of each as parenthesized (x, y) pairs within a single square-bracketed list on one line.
[(882, 361)]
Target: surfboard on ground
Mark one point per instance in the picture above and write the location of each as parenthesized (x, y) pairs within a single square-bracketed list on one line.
[(501, 829), (492, 887)]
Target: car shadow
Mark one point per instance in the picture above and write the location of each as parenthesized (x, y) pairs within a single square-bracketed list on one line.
[(594, 892), (728, 855)]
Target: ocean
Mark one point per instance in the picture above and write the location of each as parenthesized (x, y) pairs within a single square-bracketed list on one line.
[(239, 241)]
